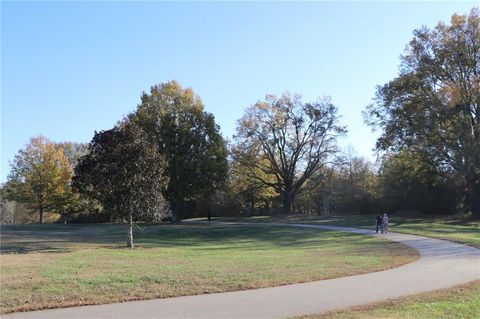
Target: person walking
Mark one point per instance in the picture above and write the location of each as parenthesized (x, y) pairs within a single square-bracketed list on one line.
[(385, 223), (379, 223)]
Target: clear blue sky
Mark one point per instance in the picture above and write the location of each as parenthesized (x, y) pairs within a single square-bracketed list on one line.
[(70, 68)]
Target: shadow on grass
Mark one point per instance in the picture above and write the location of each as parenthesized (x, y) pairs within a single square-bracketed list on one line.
[(56, 238), (255, 237), (63, 238), (35, 247)]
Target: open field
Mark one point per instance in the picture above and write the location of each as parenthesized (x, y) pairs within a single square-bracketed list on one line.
[(45, 266), (460, 230), (454, 303)]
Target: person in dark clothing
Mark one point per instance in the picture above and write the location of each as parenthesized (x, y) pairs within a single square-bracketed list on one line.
[(209, 216), (379, 222)]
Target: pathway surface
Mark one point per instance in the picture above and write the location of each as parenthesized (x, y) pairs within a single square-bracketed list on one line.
[(442, 264)]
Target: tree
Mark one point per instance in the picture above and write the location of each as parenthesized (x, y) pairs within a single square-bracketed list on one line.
[(354, 184), (410, 183), (7, 208), (125, 173), (433, 106), (73, 151), (249, 189), (288, 141), (70, 202), (174, 119), (40, 173)]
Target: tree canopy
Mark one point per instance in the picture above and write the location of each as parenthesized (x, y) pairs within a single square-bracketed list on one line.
[(174, 120), (408, 182), (125, 173), (288, 141), (40, 176), (433, 106)]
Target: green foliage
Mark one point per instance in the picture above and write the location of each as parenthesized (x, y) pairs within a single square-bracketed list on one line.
[(175, 121), (410, 183), (433, 106), (125, 173)]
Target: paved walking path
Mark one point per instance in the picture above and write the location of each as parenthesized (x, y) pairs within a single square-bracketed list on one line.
[(442, 264)]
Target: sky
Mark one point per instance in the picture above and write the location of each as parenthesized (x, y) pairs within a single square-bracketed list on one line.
[(69, 69)]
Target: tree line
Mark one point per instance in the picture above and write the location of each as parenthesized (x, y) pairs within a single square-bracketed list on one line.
[(167, 160)]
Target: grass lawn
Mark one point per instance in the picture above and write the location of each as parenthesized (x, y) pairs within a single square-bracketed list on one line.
[(465, 231), (460, 302), (46, 266)]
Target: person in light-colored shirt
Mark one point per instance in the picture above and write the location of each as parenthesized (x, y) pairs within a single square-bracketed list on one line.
[(385, 223)]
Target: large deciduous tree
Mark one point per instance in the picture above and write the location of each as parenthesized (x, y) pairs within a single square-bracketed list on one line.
[(433, 106), (288, 141), (174, 119), (40, 175), (125, 173)]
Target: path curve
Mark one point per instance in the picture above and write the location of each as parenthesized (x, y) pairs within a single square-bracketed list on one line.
[(442, 264)]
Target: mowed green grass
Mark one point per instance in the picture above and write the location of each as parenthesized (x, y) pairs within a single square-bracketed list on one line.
[(460, 230), (46, 266), (461, 302)]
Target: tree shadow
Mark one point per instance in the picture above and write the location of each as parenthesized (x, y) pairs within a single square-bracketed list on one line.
[(255, 237), (214, 237), (36, 248)]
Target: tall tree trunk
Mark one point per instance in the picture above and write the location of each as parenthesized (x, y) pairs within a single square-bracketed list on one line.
[(287, 203), (174, 211), (41, 214), (326, 205), (267, 207), (130, 231), (252, 206)]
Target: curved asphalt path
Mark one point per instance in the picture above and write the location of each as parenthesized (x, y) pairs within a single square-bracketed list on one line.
[(442, 264)]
